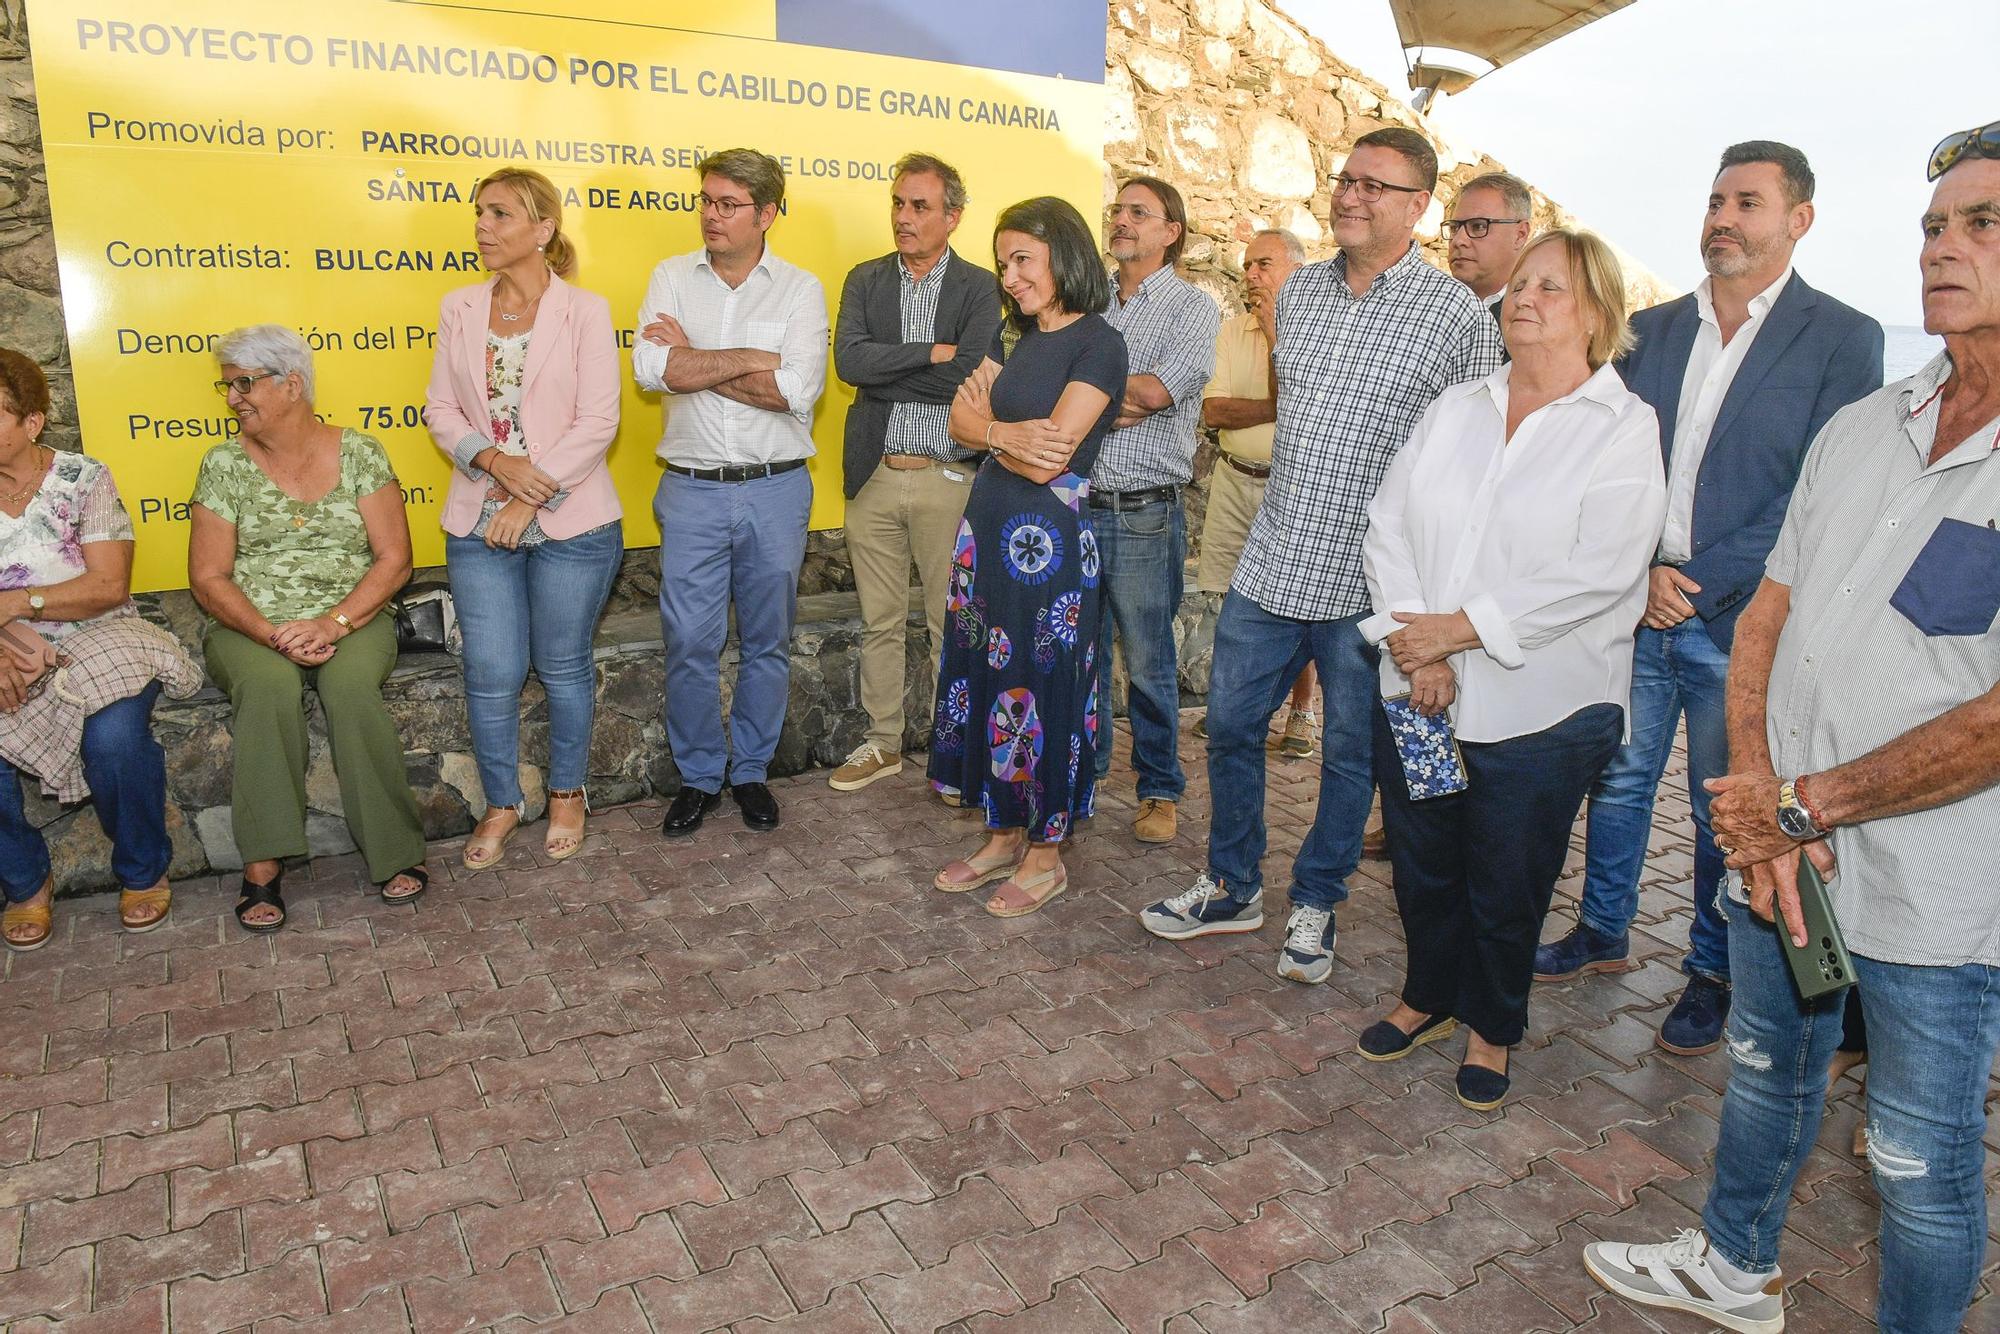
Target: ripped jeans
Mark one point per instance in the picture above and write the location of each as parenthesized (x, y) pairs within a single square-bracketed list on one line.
[(1932, 1033)]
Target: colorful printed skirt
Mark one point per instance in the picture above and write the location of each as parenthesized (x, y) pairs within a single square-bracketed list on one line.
[(1016, 721)]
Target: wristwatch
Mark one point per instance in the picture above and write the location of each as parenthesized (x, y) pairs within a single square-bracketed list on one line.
[(36, 602), (340, 619), (1796, 818)]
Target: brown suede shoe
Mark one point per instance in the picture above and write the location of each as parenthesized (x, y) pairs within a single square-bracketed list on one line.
[(1157, 822)]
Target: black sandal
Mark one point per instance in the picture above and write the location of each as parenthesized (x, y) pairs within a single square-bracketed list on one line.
[(268, 895), (416, 873)]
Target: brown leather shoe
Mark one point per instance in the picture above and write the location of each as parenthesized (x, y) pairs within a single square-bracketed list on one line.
[(1374, 839), (1157, 822)]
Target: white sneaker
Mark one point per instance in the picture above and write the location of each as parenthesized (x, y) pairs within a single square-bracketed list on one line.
[(1679, 1277), (1204, 909), (1308, 952)]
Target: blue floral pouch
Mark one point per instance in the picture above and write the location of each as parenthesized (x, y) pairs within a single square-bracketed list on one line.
[(1432, 763)]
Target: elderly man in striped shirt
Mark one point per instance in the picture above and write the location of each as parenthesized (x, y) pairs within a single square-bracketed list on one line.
[(1135, 489), (1365, 341)]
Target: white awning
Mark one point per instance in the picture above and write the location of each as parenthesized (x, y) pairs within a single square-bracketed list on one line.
[(1494, 32)]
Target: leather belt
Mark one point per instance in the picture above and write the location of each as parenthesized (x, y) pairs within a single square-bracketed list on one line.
[(913, 462), (744, 473), (1257, 470), (1132, 500)]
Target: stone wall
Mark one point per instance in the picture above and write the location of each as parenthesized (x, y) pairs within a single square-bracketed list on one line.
[(1230, 99)]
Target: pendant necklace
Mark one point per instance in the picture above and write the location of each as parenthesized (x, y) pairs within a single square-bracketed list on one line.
[(14, 497)]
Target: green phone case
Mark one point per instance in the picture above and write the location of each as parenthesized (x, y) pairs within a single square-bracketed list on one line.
[(1821, 964)]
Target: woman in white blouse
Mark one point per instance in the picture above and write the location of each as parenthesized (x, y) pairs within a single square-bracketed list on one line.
[(1506, 556)]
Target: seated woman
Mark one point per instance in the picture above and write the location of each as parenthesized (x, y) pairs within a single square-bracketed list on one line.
[(1507, 554), (66, 568), (1016, 720), (297, 541), (532, 520)]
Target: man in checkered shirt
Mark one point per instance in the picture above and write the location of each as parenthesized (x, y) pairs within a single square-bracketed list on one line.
[(1365, 341), (1135, 490)]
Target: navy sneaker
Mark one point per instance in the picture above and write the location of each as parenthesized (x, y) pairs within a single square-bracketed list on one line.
[(1694, 1026), (1308, 952), (1584, 950), (1203, 909)]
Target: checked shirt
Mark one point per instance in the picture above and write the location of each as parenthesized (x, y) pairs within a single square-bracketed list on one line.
[(1354, 375), (1169, 327), (922, 429)]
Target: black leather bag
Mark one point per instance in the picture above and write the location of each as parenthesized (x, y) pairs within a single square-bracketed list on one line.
[(426, 620)]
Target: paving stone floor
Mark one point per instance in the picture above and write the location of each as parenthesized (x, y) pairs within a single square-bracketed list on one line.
[(777, 1082)]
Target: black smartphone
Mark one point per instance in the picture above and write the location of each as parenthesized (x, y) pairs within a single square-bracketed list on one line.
[(1822, 963)]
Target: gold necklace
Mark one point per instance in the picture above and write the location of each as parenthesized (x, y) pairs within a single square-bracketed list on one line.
[(40, 471)]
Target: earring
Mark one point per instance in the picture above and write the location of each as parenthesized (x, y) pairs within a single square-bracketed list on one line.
[(540, 249)]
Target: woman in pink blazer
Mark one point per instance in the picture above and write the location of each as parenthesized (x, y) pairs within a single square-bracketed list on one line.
[(524, 400)]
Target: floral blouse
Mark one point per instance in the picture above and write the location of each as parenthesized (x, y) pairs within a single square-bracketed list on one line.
[(506, 365), (77, 504), (295, 560)]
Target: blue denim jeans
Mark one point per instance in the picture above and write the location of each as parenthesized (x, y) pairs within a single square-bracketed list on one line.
[(1672, 671), (1257, 657), (127, 773), (1932, 1033), (1145, 559), (727, 545), (537, 605)]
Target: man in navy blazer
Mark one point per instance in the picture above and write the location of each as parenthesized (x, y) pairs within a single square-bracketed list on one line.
[(1742, 372), (913, 324)]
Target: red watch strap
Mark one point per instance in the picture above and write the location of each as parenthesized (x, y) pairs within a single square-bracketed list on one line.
[(1812, 811)]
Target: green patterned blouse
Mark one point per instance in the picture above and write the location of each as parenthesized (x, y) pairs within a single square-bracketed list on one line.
[(295, 561)]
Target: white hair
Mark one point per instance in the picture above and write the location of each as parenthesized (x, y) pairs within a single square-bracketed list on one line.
[(1289, 239), (268, 347)]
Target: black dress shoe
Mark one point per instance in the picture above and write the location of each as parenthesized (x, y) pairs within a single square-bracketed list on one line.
[(760, 808), (684, 816)]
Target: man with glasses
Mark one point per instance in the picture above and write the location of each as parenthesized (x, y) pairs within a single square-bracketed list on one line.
[(1135, 488), (1743, 372), (1864, 730), (1365, 341), (736, 339), (913, 324), (1490, 222)]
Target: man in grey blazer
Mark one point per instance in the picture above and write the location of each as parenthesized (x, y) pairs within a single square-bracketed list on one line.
[(913, 324), (1743, 372)]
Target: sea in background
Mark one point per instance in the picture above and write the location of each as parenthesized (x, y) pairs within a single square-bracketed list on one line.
[(1905, 349)]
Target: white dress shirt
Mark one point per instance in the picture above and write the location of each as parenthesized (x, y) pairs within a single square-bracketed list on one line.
[(1544, 542), (780, 308), (1711, 369)]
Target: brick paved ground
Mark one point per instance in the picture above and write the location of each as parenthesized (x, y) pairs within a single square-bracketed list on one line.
[(778, 1081)]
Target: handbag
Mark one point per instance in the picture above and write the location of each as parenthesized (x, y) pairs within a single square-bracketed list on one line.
[(32, 655), (426, 620), (1433, 765)]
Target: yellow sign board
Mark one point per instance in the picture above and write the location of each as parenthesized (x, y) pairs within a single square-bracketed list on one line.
[(216, 163)]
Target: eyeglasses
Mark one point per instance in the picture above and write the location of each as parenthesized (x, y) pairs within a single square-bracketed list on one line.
[(1368, 187), (1476, 228), (724, 208), (1136, 212), (243, 384), (1982, 142)]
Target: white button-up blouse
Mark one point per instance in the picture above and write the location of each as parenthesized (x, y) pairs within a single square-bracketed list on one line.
[(1543, 540)]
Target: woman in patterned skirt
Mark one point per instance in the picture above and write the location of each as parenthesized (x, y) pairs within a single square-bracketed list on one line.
[(1016, 711)]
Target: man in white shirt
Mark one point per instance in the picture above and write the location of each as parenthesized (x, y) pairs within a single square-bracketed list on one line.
[(1743, 372), (738, 339), (1491, 221)]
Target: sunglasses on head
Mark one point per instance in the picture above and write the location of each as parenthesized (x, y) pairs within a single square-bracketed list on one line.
[(1982, 142)]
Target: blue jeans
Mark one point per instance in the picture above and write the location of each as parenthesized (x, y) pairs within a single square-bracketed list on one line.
[(127, 773), (1145, 560), (1672, 670), (1257, 657), (725, 544), (1932, 1033), (534, 604)]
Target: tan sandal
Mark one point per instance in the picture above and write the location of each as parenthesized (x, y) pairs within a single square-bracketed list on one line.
[(972, 872), (564, 839), (29, 913), (141, 910), (1029, 892), (484, 850)]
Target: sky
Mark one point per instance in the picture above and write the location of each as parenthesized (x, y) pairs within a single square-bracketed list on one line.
[(1622, 121)]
